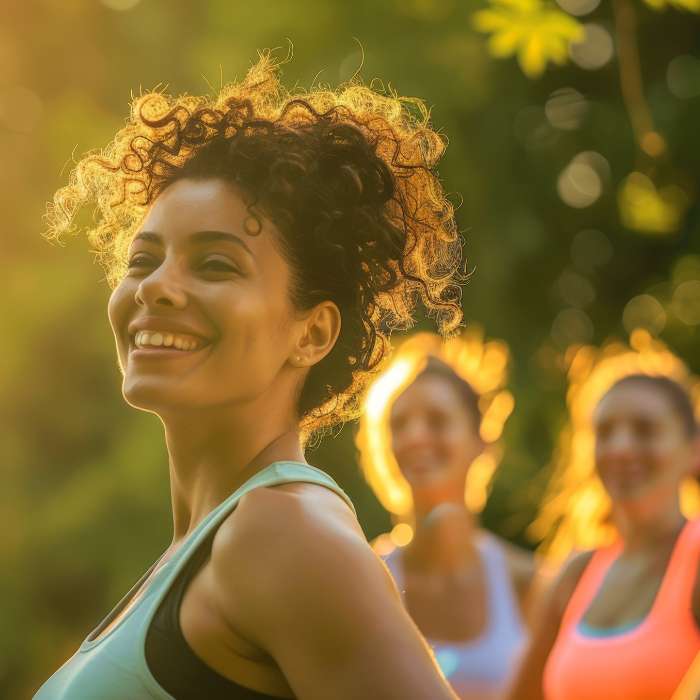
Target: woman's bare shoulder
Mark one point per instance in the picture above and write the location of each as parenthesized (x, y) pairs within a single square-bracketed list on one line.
[(293, 558), (291, 540), (292, 574), (271, 522), (565, 578), (305, 505)]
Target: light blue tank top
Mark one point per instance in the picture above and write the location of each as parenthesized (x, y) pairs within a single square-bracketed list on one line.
[(481, 667), (113, 666)]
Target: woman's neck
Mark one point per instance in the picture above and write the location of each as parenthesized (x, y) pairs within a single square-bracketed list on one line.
[(444, 540), (213, 452), (641, 531)]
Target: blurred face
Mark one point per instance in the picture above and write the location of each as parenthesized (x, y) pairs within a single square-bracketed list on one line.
[(203, 316), (434, 437), (642, 450)]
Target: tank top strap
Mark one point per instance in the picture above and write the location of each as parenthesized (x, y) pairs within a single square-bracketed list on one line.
[(503, 607), (275, 474), (590, 582), (676, 588)]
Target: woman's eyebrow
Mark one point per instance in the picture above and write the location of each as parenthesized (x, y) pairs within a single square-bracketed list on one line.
[(196, 237)]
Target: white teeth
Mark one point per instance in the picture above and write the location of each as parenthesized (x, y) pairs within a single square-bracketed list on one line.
[(156, 339)]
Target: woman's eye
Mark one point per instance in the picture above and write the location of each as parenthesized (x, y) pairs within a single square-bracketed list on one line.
[(602, 432), (218, 265), (140, 261)]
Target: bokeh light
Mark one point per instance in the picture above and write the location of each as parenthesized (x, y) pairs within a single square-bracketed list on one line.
[(580, 183), (686, 268), (596, 50), (575, 289), (648, 209), (590, 249), (401, 534), (686, 302), (683, 77), (578, 8), (571, 326), (566, 109), (644, 311), (532, 128)]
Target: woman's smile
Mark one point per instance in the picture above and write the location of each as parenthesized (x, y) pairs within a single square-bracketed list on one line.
[(153, 338), (175, 341), (156, 338), (162, 353)]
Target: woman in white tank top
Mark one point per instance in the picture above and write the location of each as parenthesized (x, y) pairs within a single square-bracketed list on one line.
[(423, 430)]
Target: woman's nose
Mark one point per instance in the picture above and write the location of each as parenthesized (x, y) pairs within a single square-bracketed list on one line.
[(413, 434), (162, 287), (620, 443)]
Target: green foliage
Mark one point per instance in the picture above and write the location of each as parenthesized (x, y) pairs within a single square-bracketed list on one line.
[(84, 508)]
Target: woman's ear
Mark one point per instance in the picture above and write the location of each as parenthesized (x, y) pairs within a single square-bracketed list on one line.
[(319, 333)]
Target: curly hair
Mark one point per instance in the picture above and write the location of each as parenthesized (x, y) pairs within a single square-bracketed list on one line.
[(346, 175)]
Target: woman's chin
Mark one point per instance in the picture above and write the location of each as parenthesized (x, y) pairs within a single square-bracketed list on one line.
[(149, 396), (163, 398)]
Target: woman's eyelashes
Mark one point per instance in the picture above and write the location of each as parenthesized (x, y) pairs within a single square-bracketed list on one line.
[(219, 265), (141, 262)]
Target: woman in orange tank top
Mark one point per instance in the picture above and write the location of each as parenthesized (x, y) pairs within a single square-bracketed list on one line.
[(622, 622)]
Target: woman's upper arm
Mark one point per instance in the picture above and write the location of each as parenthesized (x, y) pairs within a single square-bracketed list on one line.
[(305, 586), (548, 611)]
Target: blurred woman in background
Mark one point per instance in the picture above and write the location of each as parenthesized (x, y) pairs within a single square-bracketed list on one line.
[(426, 438), (255, 241), (621, 621)]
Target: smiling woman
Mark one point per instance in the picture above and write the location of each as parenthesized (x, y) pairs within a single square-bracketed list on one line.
[(261, 246), (343, 179), (622, 619), (428, 448)]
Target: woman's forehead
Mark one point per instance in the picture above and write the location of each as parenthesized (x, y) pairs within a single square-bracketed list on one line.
[(633, 399), (427, 391), (190, 205)]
